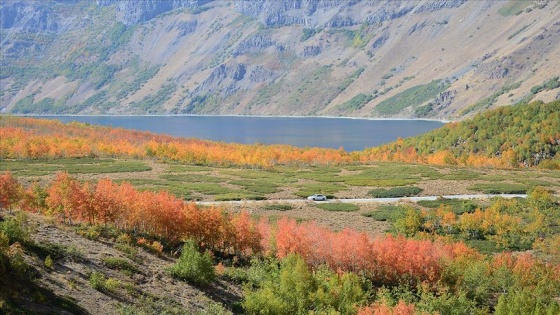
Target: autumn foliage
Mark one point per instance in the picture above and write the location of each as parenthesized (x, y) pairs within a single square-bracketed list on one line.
[(437, 266), (507, 138), (10, 190), (385, 260), (381, 308)]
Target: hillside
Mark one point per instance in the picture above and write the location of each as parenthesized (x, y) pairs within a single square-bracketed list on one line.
[(72, 246), (443, 59), (515, 136)]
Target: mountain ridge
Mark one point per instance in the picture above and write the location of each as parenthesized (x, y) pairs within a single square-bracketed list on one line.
[(442, 60)]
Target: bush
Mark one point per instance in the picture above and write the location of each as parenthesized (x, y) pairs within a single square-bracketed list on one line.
[(193, 266), (112, 285), (120, 264), (97, 280), (278, 207), (16, 228), (395, 192), (344, 207), (49, 262), (499, 188), (458, 206), (386, 213)]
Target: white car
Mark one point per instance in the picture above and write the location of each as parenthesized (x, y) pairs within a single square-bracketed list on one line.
[(317, 197)]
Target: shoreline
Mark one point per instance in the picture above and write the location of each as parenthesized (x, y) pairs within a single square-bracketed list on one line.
[(444, 121)]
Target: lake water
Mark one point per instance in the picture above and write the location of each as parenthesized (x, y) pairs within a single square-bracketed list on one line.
[(351, 134)]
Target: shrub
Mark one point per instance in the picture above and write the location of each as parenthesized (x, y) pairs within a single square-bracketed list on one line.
[(129, 250), (386, 213), (112, 284), (395, 192), (278, 207), (120, 264), (16, 228), (90, 232), (155, 247), (193, 266), (458, 206), (499, 188), (343, 207), (49, 262), (97, 280)]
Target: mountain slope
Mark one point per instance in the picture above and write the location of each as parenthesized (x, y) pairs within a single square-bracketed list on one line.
[(436, 59), (521, 135)]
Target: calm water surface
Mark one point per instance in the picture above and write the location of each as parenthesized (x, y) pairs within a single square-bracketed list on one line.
[(351, 134)]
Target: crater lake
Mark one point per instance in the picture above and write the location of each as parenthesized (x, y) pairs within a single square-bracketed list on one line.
[(349, 133)]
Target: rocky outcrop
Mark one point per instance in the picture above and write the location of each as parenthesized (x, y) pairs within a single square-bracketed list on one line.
[(254, 44), (416, 27), (184, 27), (260, 74), (133, 12), (311, 51), (499, 69), (444, 99), (28, 17), (380, 41), (344, 13), (223, 78)]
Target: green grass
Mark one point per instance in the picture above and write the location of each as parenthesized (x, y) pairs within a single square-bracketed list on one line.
[(395, 192), (191, 178), (232, 196), (355, 103), (72, 166), (260, 187), (379, 182), (413, 96), (177, 168), (499, 188), (535, 182), (342, 207), (327, 189), (513, 8), (279, 207), (120, 264), (490, 100), (458, 206), (462, 174), (483, 246), (386, 213)]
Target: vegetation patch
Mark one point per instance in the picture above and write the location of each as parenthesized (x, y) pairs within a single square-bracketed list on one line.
[(338, 206), (279, 207), (379, 182), (73, 166), (458, 206), (238, 197), (355, 103), (490, 100), (511, 8), (499, 188), (327, 189), (413, 96), (193, 266), (260, 187), (120, 264), (395, 192), (386, 213)]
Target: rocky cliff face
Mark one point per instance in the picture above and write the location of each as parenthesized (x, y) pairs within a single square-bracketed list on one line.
[(433, 58)]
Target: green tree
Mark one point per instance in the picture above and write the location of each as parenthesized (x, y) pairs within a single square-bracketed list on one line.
[(194, 266)]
